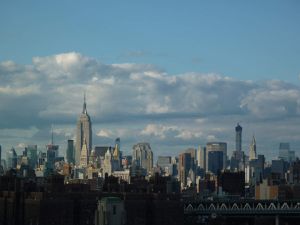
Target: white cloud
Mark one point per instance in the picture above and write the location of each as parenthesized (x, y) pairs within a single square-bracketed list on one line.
[(104, 133), (139, 101), (8, 90), (170, 132)]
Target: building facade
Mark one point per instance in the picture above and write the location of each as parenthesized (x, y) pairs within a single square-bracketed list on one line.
[(220, 147), (83, 131), (252, 151), (11, 159), (238, 137), (142, 156)]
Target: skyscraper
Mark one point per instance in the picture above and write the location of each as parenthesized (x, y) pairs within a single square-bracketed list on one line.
[(70, 151), (215, 161), (201, 157), (83, 131), (284, 151), (142, 156), (238, 138), (116, 161), (32, 155), (252, 151), (52, 153), (216, 147), (84, 155), (107, 163), (185, 164), (237, 159), (11, 159)]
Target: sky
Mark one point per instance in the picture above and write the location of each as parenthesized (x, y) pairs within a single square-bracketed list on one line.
[(174, 74)]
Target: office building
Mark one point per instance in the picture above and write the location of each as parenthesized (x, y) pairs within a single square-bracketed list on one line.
[(117, 157), (107, 163), (215, 162), (70, 151), (11, 159), (285, 153), (221, 150), (83, 132), (279, 166), (238, 138), (52, 153), (284, 149), (201, 157), (185, 164), (84, 155), (254, 172), (252, 150), (142, 156), (237, 159), (32, 155), (164, 163)]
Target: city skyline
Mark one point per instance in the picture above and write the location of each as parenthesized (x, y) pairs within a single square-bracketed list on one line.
[(173, 75)]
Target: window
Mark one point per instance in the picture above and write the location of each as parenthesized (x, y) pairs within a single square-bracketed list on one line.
[(114, 209)]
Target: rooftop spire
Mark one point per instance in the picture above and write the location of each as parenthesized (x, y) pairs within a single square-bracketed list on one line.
[(253, 140), (84, 105), (52, 134)]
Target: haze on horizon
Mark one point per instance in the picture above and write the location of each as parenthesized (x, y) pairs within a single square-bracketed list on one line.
[(174, 75)]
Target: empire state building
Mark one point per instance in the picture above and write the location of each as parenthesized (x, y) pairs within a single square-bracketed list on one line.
[(83, 133)]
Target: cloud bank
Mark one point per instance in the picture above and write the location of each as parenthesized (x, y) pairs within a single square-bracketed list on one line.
[(140, 102)]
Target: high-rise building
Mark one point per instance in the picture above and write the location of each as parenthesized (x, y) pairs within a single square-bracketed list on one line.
[(201, 157), (32, 155), (216, 147), (164, 163), (185, 164), (11, 159), (252, 151), (117, 155), (142, 156), (107, 163), (238, 137), (84, 155), (279, 166), (52, 153), (285, 153), (83, 131), (237, 162), (70, 151), (215, 161)]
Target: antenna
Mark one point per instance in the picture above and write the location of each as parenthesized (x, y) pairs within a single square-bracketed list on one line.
[(84, 103), (52, 134)]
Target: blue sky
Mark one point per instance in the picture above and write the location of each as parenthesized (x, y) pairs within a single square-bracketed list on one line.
[(246, 40), (175, 74)]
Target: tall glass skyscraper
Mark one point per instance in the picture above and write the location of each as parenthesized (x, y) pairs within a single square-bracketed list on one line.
[(238, 138), (11, 159), (83, 132), (215, 161), (216, 147), (70, 151)]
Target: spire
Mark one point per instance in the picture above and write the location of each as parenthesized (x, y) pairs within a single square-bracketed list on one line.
[(84, 105), (252, 152), (253, 140), (52, 134)]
